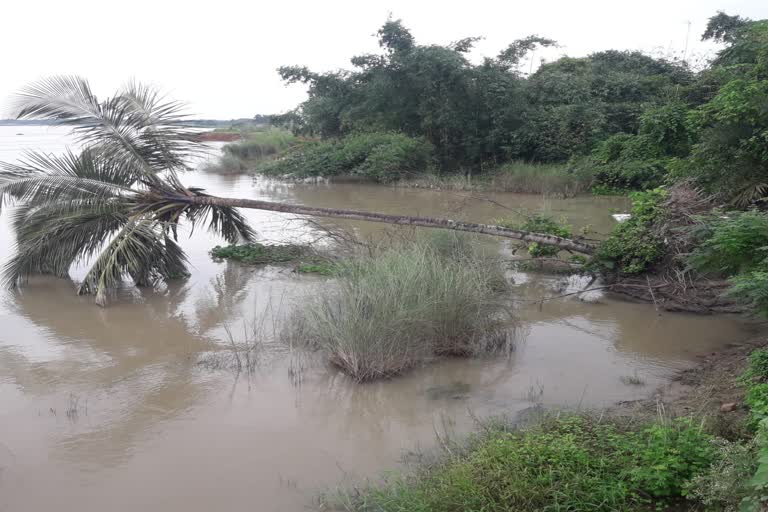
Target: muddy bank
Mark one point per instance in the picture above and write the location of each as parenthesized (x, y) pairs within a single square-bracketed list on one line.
[(218, 137), (710, 389)]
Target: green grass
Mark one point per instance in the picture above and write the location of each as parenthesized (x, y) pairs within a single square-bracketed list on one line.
[(404, 306), (256, 147), (556, 180), (570, 463)]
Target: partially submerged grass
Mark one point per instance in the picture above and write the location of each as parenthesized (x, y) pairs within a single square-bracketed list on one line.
[(554, 180), (404, 306), (567, 463)]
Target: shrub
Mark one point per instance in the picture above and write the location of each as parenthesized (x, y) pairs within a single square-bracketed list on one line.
[(736, 246), (633, 246), (540, 223), (757, 400), (724, 484), (381, 156), (733, 242), (758, 365), (572, 464), (403, 307)]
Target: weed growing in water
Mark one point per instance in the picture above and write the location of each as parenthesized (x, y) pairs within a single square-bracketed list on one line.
[(404, 306)]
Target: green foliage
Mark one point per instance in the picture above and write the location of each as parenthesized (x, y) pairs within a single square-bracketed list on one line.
[(477, 115), (757, 400), (257, 254), (567, 464), (735, 245), (633, 246), (731, 156), (383, 157), (320, 267), (732, 242), (541, 223), (757, 370), (256, 146), (404, 306)]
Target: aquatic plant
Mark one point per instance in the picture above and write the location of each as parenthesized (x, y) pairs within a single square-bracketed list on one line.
[(256, 253)]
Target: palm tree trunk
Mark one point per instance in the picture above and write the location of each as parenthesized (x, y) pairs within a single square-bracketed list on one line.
[(402, 220)]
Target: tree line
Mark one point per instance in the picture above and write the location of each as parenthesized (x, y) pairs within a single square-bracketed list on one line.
[(633, 120)]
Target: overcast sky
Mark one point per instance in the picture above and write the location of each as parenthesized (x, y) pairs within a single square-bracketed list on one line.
[(220, 56)]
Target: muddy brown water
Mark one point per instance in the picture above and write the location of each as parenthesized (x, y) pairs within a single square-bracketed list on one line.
[(108, 408)]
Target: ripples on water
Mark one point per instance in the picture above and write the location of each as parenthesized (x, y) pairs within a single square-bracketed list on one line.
[(106, 409)]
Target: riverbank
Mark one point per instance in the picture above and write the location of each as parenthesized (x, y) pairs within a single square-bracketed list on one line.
[(690, 444), (709, 389)]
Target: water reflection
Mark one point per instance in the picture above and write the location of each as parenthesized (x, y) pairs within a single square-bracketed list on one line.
[(161, 430)]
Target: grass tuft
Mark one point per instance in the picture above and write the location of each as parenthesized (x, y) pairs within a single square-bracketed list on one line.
[(405, 306)]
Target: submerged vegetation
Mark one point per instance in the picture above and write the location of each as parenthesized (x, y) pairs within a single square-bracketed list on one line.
[(255, 253), (405, 306)]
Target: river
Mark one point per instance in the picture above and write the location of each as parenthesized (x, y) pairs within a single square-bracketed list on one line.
[(109, 408)]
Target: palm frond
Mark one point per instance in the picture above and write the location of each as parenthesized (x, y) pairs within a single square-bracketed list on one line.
[(40, 178), (751, 193), (52, 237), (142, 250), (136, 127)]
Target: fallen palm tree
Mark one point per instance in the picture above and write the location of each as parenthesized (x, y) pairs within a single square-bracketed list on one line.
[(117, 204)]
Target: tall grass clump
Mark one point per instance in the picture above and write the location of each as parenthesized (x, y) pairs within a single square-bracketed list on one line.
[(404, 306), (256, 147), (550, 179)]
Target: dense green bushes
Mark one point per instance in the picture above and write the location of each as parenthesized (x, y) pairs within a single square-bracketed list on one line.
[(735, 244), (383, 157), (624, 120), (633, 246), (572, 463)]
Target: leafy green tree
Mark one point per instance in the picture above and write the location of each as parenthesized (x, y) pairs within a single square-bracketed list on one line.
[(731, 157)]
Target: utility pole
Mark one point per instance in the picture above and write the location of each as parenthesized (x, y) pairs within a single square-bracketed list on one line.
[(687, 37)]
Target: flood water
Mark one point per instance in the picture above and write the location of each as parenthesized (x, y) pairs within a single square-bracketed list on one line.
[(108, 408)]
